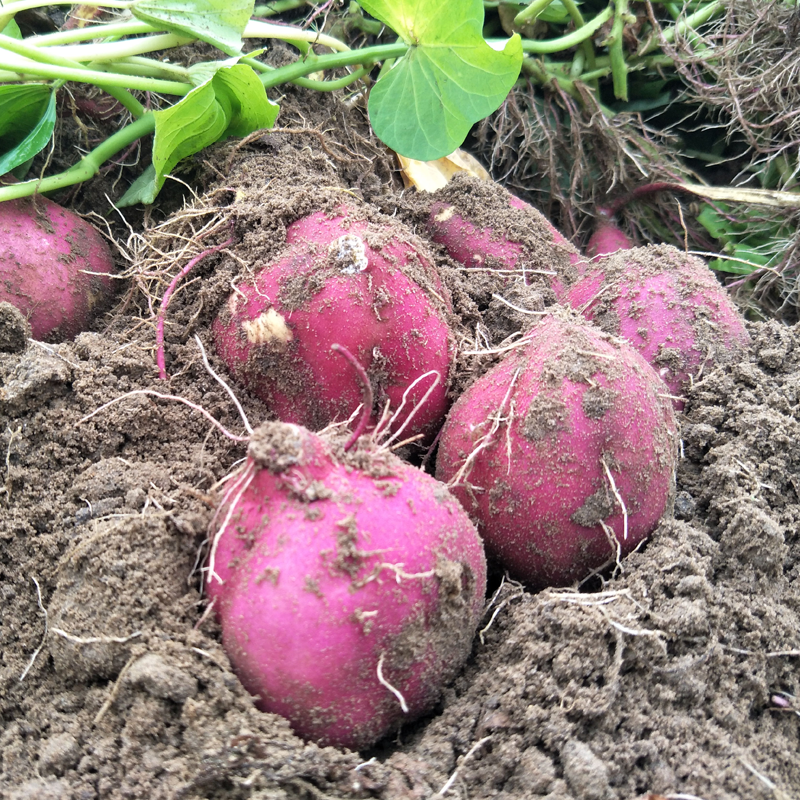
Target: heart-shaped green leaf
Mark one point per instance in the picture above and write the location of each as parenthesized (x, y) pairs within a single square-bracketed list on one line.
[(450, 78)]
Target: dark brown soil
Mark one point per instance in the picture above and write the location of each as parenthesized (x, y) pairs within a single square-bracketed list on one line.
[(676, 678)]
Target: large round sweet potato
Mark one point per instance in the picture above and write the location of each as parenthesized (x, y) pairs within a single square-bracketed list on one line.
[(348, 592), (564, 453)]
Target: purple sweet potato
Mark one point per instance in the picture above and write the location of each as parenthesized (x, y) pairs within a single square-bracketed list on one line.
[(348, 591), (363, 290), (489, 228), (54, 267), (564, 453), (669, 306)]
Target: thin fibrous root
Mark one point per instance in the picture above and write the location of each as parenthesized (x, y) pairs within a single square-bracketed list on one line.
[(384, 682), (619, 499), (417, 406), (246, 478), (452, 779), (366, 388), (225, 386), (38, 650), (485, 440), (162, 396), (162, 312)]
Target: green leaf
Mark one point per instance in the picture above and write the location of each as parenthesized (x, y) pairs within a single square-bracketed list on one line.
[(714, 222), (233, 102), (252, 110), (204, 71), (142, 190), (27, 119), (12, 30), (218, 22), (449, 79)]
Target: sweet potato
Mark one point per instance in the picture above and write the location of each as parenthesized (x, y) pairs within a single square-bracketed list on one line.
[(54, 267), (364, 290), (669, 306), (564, 453), (348, 587), (606, 239), (488, 228)]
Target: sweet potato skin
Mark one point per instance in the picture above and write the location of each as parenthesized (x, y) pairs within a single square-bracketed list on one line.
[(54, 267), (571, 405), (334, 574), (606, 239), (669, 306), (491, 229)]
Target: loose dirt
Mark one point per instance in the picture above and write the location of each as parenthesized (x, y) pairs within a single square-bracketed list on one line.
[(676, 677)]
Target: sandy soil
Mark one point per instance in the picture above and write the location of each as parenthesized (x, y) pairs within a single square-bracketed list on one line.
[(675, 678)]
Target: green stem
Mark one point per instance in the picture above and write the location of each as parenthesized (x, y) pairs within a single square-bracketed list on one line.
[(574, 13), (98, 78), (107, 51), (587, 48), (103, 31), (356, 18), (136, 65), (24, 5), (571, 39), (616, 52), (595, 75), (536, 70), (88, 166), (115, 50), (531, 12), (332, 85), (578, 65), (689, 23), (278, 7), (50, 59), (256, 29), (364, 57)]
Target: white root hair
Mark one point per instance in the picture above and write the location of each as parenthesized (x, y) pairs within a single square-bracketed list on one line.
[(619, 499), (384, 682), (485, 440)]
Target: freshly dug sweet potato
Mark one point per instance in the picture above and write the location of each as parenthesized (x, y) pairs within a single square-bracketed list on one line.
[(606, 239), (54, 267), (669, 306), (485, 227), (564, 453), (390, 238), (348, 588), (364, 290)]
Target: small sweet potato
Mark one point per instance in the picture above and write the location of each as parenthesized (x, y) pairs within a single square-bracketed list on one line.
[(487, 228), (54, 267)]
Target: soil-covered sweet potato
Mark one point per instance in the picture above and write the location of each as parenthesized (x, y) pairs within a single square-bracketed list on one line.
[(564, 453), (348, 587), (487, 228), (362, 289), (669, 306), (54, 267)]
